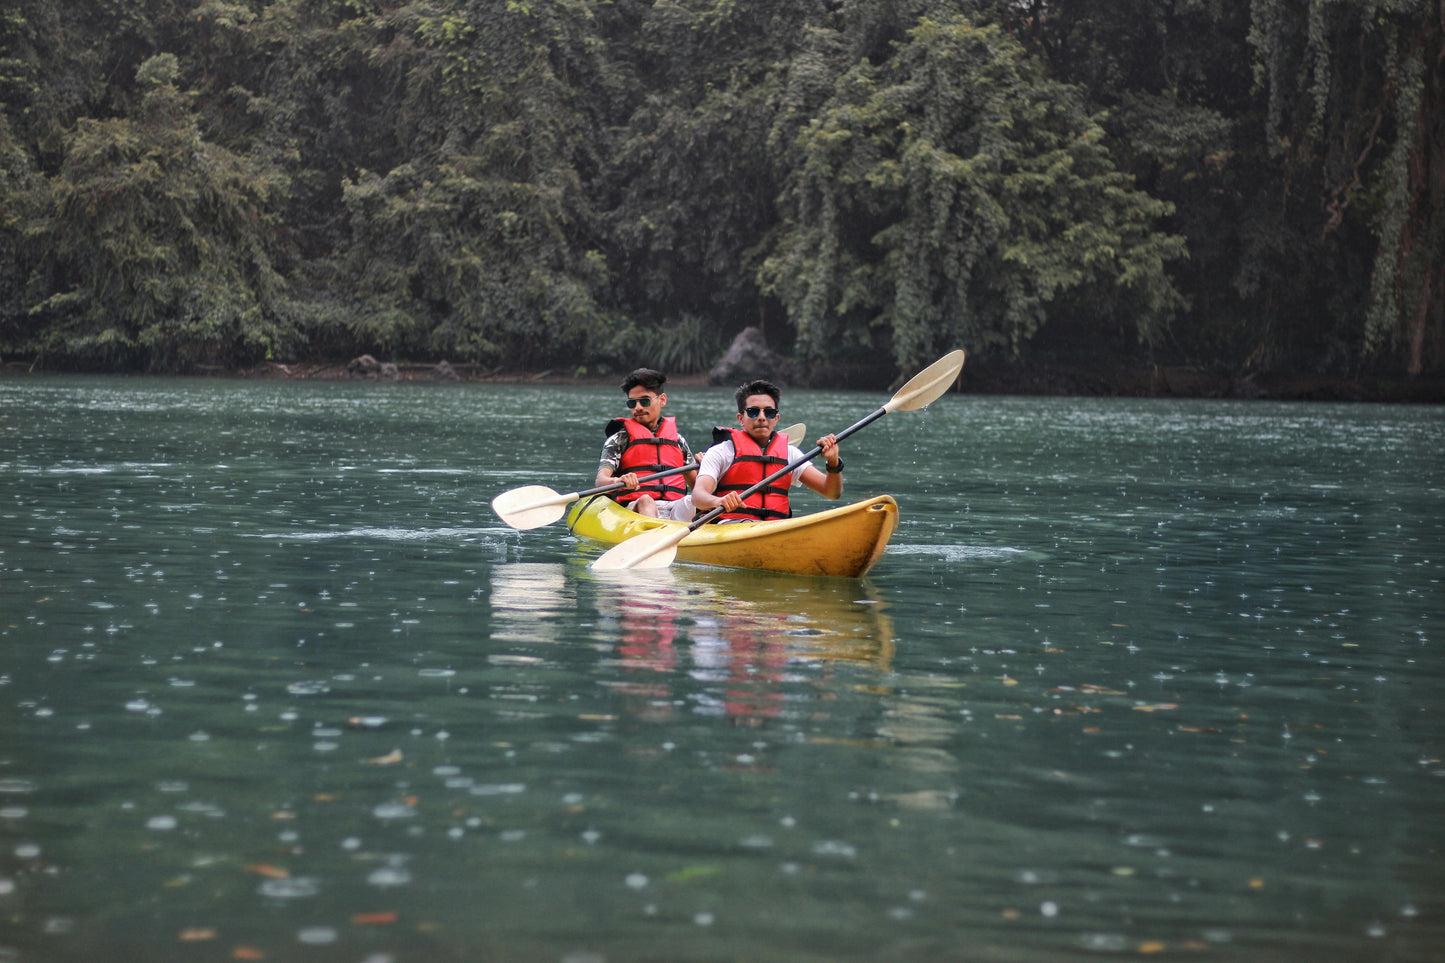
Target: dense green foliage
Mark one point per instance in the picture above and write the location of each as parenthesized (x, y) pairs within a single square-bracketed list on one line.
[(569, 182)]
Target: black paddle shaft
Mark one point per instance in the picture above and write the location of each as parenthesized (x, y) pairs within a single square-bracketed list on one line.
[(689, 466), (807, 457)]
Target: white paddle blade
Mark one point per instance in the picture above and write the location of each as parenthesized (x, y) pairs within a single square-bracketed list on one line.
[(530, 506), (650, 550), (795, 433), (926, 387)]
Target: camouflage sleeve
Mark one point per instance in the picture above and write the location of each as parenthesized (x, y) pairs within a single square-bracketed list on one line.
[(612, 452)]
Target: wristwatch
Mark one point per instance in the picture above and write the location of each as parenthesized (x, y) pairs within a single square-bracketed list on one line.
[(834, 469)]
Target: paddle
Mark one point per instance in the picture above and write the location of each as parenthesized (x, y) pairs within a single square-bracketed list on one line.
[(657, 548), (533, 506)]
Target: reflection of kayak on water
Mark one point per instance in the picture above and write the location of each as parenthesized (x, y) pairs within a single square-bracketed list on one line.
[(822, 619), (810, 618), (805, 618), (844, 541), (734, 642)]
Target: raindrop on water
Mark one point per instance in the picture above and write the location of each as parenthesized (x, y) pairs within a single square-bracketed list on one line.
[(295, 887), (317, 935), (389, 876)]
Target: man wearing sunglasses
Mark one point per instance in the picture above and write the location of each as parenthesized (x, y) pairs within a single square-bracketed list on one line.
[(644, 443), (746, 455)]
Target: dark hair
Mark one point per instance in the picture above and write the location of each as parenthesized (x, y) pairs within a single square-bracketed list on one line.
[(646, 378), (757, 388)]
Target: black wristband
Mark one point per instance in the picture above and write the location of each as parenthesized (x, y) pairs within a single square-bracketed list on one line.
[(834, 469)]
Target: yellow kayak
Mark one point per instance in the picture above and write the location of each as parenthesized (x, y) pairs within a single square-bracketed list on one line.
[(844, 541)]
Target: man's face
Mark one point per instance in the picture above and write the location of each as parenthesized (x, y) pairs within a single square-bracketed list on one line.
[(754, 417), (645, 406)]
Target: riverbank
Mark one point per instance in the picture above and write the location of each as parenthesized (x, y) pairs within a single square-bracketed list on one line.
[(1003, 379), (1158, 381)]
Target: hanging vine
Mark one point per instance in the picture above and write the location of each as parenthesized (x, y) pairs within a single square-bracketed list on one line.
[(1362, 124)]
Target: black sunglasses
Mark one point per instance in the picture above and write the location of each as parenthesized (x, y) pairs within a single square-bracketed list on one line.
[(754, 411), (644, 402)]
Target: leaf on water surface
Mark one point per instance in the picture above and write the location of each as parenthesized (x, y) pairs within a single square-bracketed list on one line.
[(923, 799), (374, 919), (390, 759), (693, 872), (1157, 707), (1152, 946), (268, 871), (838, 741), (196, 934), (247, 953)]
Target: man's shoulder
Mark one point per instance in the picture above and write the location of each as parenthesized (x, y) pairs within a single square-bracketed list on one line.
[(613, 446), (721, 452)]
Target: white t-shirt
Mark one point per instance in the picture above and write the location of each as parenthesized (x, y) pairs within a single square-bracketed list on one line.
[(717, 459)]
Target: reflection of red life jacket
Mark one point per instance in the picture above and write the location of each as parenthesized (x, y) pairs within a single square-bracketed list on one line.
[(646, 453), (751, 464)]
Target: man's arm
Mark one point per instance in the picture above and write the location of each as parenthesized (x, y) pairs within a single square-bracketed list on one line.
[(611, 461), (827, 484), (715, 462), (689, 476), (605, 477)]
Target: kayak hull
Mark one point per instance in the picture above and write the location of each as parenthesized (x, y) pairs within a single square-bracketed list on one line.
[(843, 542)]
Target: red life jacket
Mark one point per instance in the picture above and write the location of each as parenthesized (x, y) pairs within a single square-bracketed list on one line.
[(647, 453), (751, 464)]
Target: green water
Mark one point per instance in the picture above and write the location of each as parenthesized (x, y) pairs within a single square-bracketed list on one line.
[(1134, 678)]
